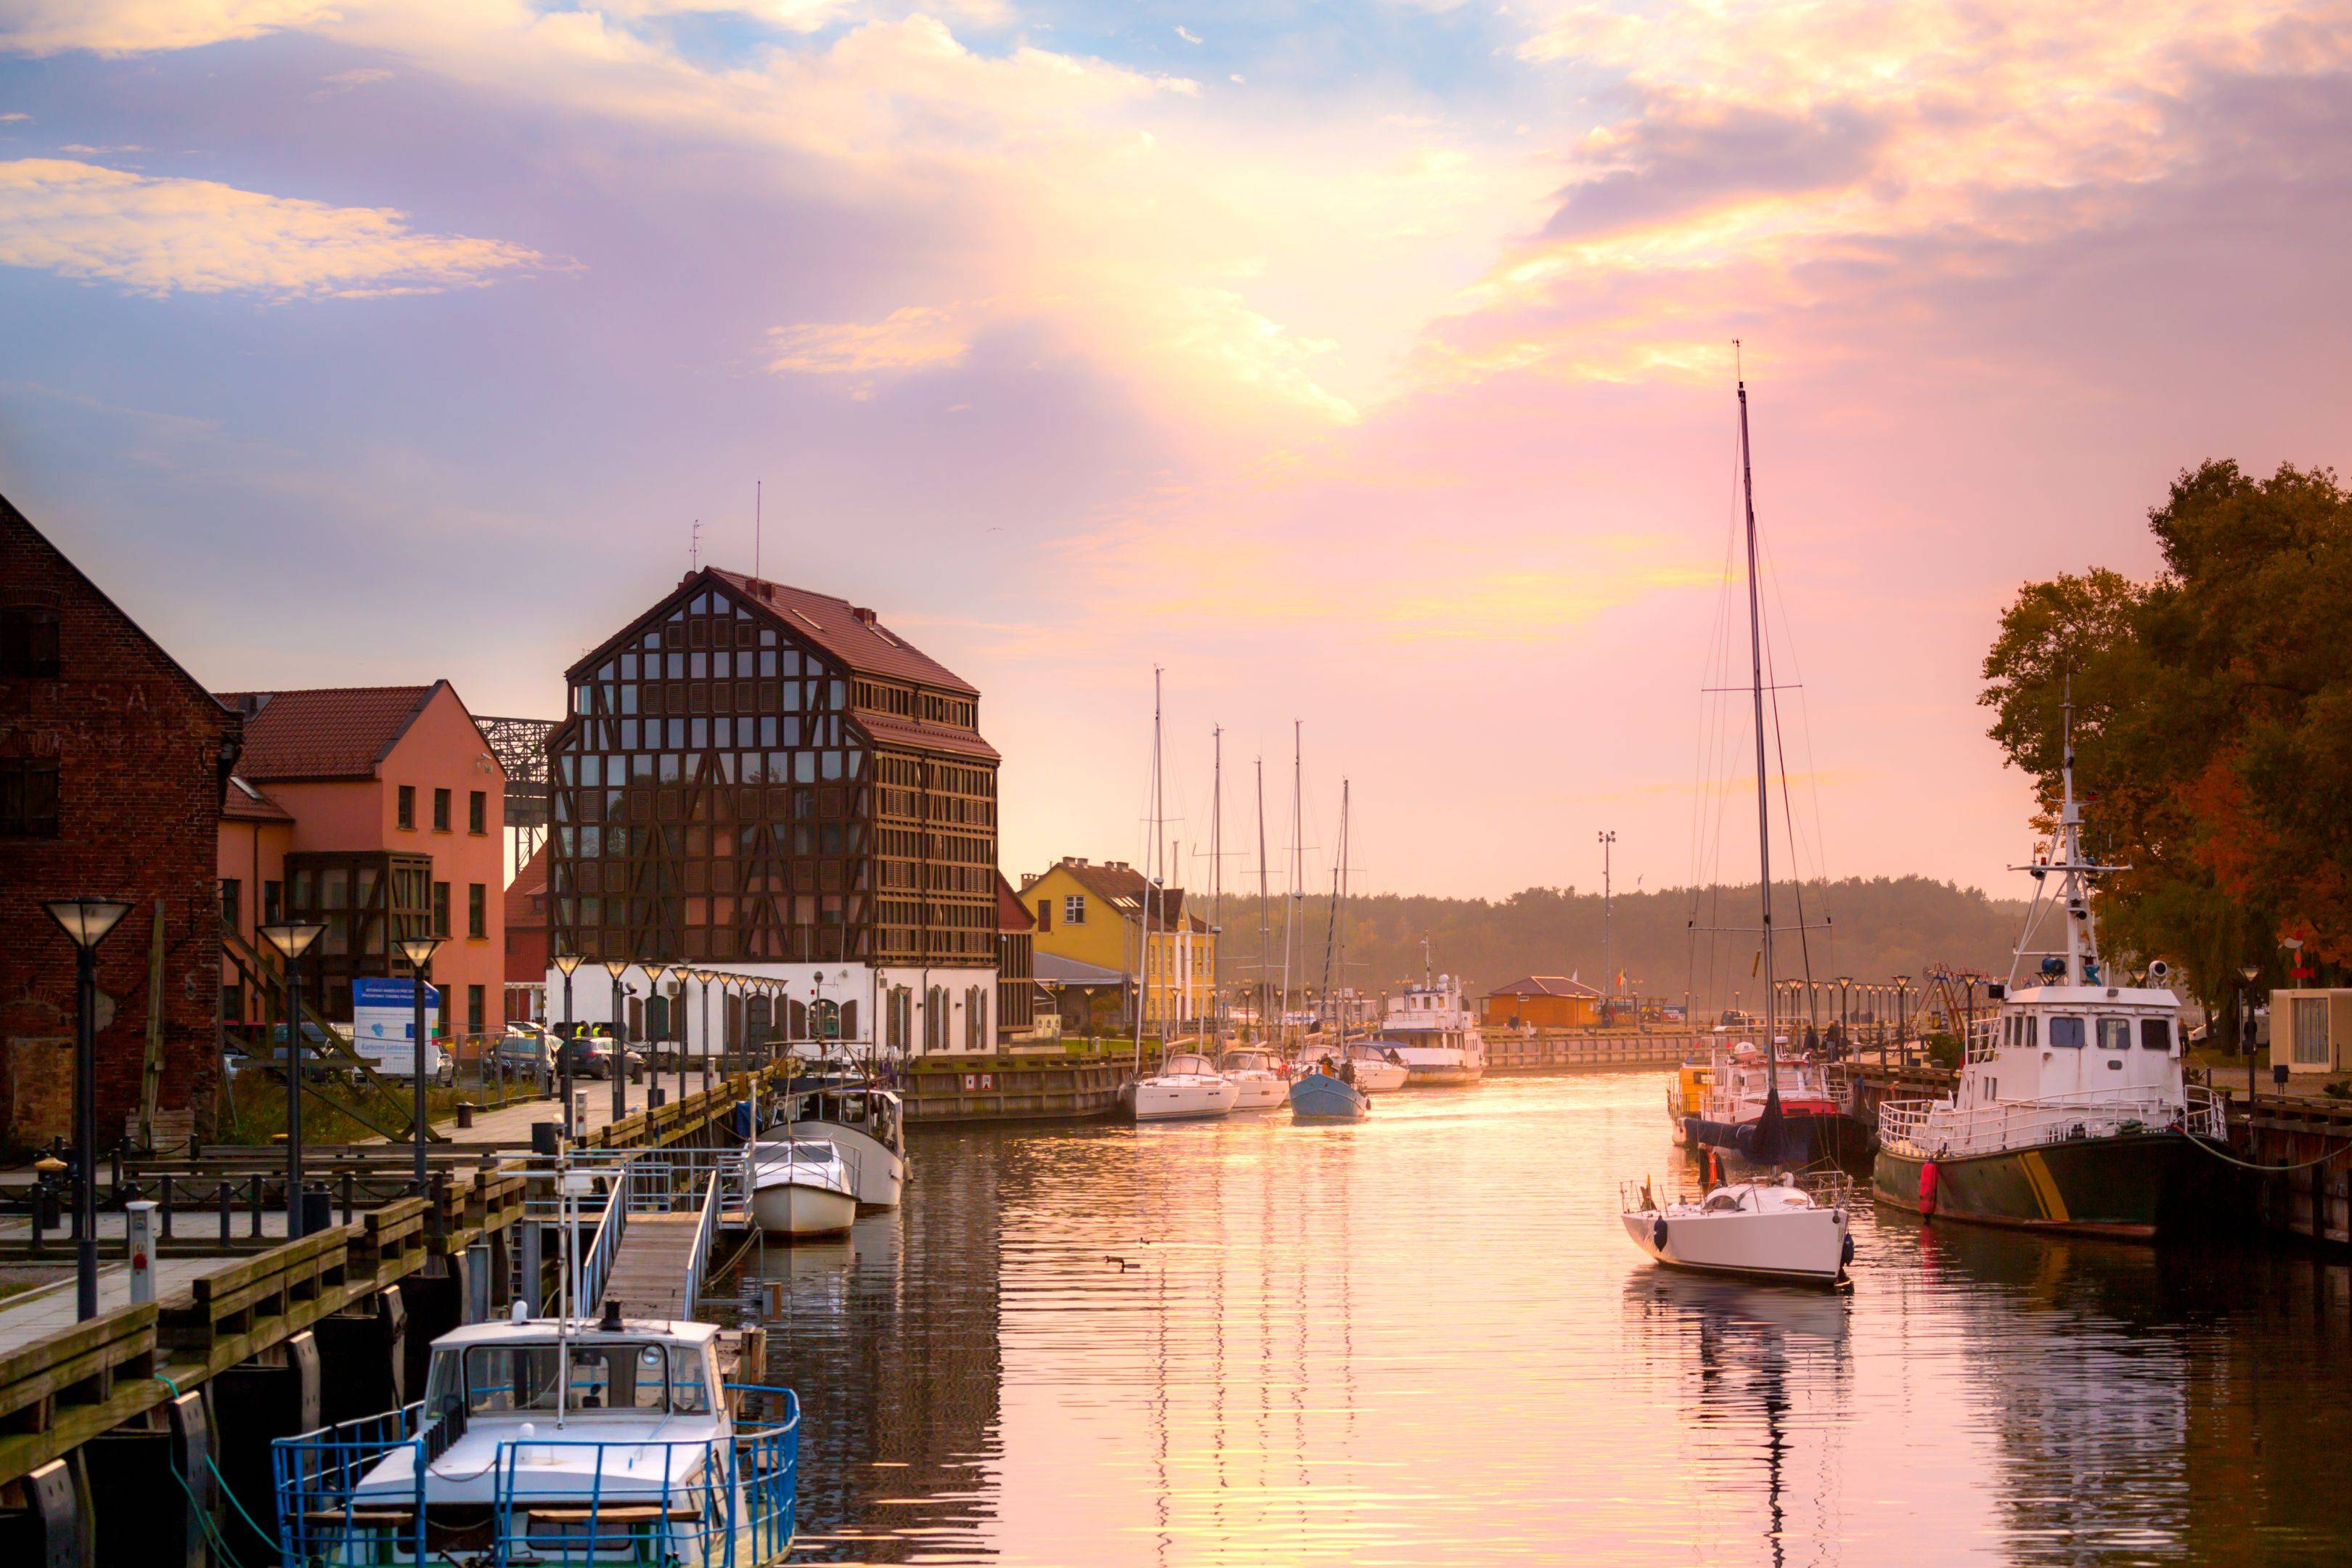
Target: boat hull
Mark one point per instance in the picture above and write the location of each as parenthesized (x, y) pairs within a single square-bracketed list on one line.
[(1440, 1075), (800, 1210), (1259, 1093), (1196, 1099), (1806, 1138), (881, 1174), (2087, 1186), (1804, 1247), (1319, 1097)]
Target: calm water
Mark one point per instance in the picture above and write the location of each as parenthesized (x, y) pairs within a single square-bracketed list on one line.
[(1426, 1341)]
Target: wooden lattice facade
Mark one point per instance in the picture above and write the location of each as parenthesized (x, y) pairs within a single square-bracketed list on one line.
[(752, 773)]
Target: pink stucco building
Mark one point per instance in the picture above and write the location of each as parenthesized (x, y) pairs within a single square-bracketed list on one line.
[(377, 811)]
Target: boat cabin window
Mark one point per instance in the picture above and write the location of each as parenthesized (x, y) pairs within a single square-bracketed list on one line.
[(2067, 1034), (2114, 1034), (501, 1379), (2033, 1031), (689, 1383), (2156, 1033), (1723, 1203)]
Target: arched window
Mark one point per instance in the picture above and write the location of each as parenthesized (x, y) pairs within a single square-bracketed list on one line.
[(934, 1018), (796, 1020), (849, 1020), (760, 1019), (975, 1019), (902, 1017)]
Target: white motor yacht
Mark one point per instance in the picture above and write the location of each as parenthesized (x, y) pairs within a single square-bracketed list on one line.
[(802, 1187), (1434, 1031), (870, 1125), (1187, 1088), (1763, 1229), (542, 1440), (1256, 1079)]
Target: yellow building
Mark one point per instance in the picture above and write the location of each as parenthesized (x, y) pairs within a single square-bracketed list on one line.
[(1094, 912)]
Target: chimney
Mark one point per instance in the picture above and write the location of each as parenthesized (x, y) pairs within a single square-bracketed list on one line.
[(865, 616)]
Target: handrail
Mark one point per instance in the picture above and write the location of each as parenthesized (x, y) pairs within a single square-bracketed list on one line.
[(697, 1262), (605, 1248), (1938, 1127)]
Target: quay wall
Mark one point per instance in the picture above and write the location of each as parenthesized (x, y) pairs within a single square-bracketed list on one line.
[(1014, 1088), (1547, 1048)]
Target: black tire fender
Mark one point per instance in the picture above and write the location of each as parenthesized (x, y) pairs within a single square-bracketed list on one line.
[(1658, 1232)]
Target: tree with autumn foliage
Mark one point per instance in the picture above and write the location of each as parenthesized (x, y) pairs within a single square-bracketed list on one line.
[(2213, 723)]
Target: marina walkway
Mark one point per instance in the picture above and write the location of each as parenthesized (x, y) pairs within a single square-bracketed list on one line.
[(650, 1273)]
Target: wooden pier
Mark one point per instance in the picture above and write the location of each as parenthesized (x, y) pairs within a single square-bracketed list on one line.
[(171, 1401)]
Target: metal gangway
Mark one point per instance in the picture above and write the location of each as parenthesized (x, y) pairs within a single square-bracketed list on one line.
[(648, 1234)]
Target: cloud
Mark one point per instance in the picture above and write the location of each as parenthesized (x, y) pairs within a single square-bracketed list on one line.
[(911, 338), (11, 118), (158, 237), (131, 26), (1189, 36), (349, 82)]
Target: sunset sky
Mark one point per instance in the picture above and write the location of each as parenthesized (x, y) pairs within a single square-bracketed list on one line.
[(1368, 363)]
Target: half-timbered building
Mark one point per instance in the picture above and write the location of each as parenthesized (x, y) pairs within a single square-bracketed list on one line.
[(761, 779)]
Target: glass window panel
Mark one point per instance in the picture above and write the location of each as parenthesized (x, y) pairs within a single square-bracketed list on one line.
[(700, 734), (698, 665), (832, 764), (628, 666), (628, 734), (673, 768), (2156, 1033), (856, 763), (722, 731), (722, 665), (2114, 1034), (677, 662), (628, 698), (767, 730), (768, 662), (2067, 1034), (805, 766), (653, 640), (789, 730)]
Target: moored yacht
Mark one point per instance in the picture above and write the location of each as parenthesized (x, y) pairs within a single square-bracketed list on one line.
[(1187, 1088), (802, 1187), (1731, 1095), (1435, 1034), (867, 1123), (549, 1441), (2072, 1111), (1256, 1078), (1778, 1229)]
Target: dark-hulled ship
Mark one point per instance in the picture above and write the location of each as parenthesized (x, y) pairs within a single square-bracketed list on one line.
[(2071, 1113)]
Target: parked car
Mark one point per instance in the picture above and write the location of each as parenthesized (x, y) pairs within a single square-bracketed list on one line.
[(525, 1050), (589, 1055)]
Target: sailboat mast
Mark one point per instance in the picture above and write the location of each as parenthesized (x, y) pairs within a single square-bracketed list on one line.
[(1756, 691), (1265, 915), (1339, 922), (1294, 882), (1216, 883), (1143, 953)]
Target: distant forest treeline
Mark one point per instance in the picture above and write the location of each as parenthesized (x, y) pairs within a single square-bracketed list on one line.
[(1879, 928)]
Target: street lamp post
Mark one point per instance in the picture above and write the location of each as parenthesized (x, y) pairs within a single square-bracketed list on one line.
[(655, 973), (293, 939), (1607, 974), (84, 921), (418, 951), (1844, 984), (1902, 1019), (566, 961), (617, 967), (704, 976), (2250, 973)]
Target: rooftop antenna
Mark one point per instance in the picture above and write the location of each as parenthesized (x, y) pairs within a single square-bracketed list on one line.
[(756, 499), (694, 548)]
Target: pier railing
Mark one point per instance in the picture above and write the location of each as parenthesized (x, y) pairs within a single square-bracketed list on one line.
[(1936, 1128)]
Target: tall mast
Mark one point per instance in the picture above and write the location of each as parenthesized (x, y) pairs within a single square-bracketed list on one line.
[(1265, 915), (1216, 884), (1339, 918), (1768, 1123), (1143, 958), (1295, 883)]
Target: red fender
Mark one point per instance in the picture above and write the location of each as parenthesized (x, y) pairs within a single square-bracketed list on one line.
[(1928, 1179)]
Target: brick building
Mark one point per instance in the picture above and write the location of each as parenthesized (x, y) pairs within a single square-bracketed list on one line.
[(112, 763), (528, 958)]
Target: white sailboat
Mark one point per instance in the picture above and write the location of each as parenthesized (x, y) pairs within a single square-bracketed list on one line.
[(1329, 1091), (1772, 1228), (1256, 1077), (1187, 1087)]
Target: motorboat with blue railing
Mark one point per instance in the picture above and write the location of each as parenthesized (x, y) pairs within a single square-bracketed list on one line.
[(609, 1442)]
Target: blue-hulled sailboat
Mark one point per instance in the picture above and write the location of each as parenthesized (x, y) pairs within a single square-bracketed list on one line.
[(1328, 1093)]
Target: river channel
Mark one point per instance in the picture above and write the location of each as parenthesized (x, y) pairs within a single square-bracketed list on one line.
[(1425, 1341)]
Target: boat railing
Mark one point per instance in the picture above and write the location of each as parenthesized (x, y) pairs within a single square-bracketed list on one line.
[(606, 1244), (1828, 1189), (316, 1473), (1936, 1128), (706, 1235)]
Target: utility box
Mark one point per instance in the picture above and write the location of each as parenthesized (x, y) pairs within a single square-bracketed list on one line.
[(2311, 1031)]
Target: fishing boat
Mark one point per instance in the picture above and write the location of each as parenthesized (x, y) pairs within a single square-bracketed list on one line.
[(1434, 1032), (2072, 1111), (1329, 1091), (1256, 1078), (868, 1123), (546, 1440), (1781, 1228), (1187, 1088), (802, 1187), (1728, 1106)]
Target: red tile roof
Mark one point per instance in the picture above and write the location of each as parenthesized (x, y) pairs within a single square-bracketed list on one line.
[(246, 801), (854, 637), (1123, 887), (328, 733), (938, 737), (1012, 914), (529, 884), (1545, 985)]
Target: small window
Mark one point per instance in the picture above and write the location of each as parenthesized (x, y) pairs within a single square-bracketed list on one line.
[(2309, 1017), (407, 812), (441, 909), (2156, 1033), (2033, 1031), (477, 812), (2114, 1034), (1074, 910), (272, 895), (478, 918), (2067, 1034), (232, 893), (29, 643), (477, 1010), (440, 811), (29, 797), (1044, 914)]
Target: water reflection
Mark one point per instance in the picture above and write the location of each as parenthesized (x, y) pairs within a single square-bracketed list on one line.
[(1423, 1340)]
